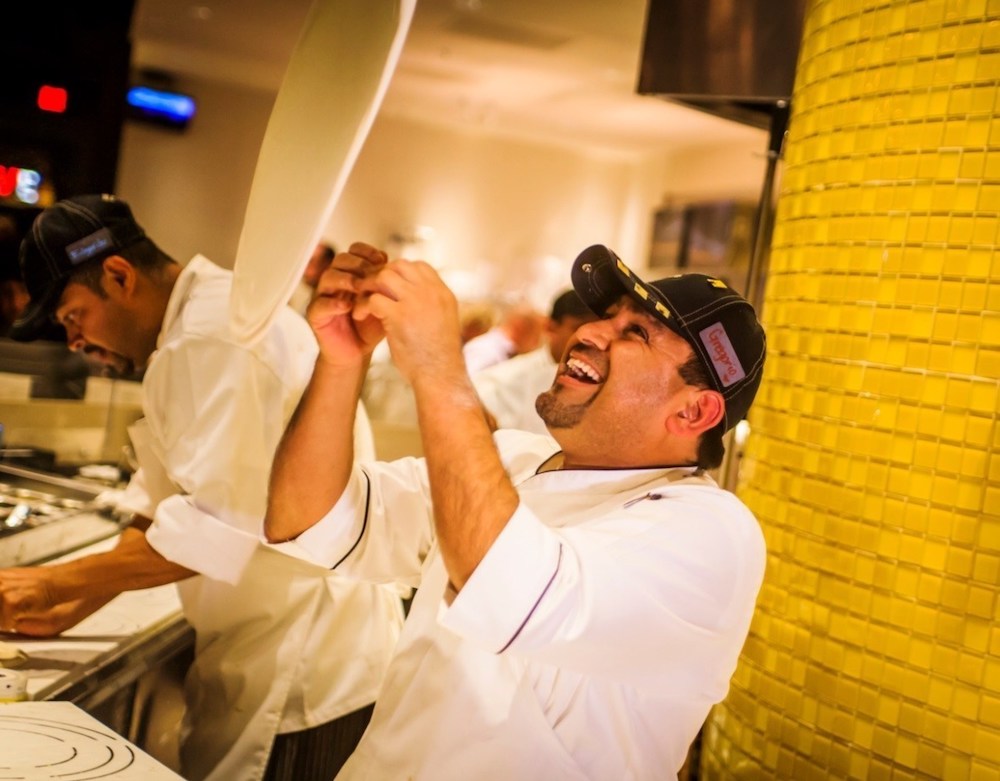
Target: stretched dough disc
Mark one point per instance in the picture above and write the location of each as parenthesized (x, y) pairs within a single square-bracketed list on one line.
[(335, 82)]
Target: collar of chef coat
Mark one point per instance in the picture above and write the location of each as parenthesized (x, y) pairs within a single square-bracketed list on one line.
[(198, 266), (523, 469)]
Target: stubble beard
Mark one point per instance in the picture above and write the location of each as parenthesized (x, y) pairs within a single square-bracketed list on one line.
[(558, 415)]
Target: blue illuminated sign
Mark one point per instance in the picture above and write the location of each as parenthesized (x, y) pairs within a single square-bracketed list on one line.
[(171, 108)]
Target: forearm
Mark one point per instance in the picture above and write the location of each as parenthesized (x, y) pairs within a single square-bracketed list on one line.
[(313, 461), (473, 496), (132, 564)]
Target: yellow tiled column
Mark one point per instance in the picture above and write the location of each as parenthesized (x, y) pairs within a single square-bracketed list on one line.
[(873, 466)]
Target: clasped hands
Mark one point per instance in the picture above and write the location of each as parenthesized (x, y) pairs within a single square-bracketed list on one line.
[(363, 297)]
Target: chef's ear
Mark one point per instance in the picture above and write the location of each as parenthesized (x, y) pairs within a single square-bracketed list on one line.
[(702, 410), (120, 276)]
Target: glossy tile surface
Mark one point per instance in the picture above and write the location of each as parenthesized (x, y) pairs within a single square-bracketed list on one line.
[(873, 466)]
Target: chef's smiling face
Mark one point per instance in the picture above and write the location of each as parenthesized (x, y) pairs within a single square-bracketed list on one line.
[(617, 379)]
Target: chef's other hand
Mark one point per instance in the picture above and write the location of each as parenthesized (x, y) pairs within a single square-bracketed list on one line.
[(350, 278), (28, 605), (420, 317)]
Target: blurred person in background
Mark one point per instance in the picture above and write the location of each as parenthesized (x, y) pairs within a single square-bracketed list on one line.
[(387, 395), (475, 318), (519, 331), (13, 293), (56, 371), (508, 389), (288, 657)]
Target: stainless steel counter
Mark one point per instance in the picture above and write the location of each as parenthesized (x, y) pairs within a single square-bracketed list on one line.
[(43, 515)]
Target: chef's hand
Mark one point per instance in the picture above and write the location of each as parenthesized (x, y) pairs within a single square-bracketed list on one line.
[(28, 604), (420, 317), (350, 279)]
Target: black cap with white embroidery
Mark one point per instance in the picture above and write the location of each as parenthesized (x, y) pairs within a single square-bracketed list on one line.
[(64, 236), (719, 324)]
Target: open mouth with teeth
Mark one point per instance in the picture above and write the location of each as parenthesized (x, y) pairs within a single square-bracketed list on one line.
[(582, 371)]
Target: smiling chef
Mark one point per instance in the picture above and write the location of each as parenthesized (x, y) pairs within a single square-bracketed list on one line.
[(583, 604)]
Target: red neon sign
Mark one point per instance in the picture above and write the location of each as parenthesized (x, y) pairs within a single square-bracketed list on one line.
[(52, 99), (22, 183)]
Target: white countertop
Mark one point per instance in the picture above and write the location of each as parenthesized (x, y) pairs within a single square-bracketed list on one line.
[(56, 741)]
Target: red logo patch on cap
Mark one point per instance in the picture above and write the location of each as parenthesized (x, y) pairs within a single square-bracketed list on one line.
[(721, 353)]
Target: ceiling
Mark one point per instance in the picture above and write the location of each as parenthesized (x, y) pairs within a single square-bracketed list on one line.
[(559, 71)]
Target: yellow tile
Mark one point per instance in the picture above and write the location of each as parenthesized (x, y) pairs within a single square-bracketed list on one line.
[(970, 328), (906, 754), (961, 734), (987, 744), (883, 741), (989, 535), (940, 696), (969, 495), (973, 463), (957, 765), (986, 567), (959, 392), (929, 589), (988, 363), (988, 198), (982, 603), (949, 293), (972, 165), (960, 229), (930, 760), (989, 713)]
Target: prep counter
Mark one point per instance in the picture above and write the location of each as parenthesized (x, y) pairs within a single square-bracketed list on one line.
[(138, 641), (111, 663), (137, 631)]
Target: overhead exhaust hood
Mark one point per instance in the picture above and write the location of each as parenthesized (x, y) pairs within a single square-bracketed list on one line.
[(732, 58)]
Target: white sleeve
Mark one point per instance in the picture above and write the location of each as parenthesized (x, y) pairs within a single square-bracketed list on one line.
[(135, 497), (216, 413), (381, 528)]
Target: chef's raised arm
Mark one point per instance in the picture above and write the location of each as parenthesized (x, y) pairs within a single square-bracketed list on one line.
[(313, 461), (473, 497)]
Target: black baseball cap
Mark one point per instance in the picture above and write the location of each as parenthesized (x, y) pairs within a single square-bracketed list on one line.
[(64, 236), (719, 324)]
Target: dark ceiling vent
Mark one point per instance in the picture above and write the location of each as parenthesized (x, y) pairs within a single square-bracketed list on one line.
[(733, 58)]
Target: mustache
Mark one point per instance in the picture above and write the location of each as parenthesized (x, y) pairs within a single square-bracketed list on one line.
[(112, 364)]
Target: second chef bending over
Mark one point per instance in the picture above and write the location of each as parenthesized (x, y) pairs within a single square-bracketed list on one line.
[(581, 605), (283, 648)]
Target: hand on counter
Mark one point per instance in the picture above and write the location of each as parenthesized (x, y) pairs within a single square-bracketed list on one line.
[(28, 604), (44, 601)]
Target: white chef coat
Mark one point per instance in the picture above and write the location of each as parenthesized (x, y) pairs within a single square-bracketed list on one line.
[(281, 645), (301, 297), (590, 642), (509, 389), (487, 349)]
